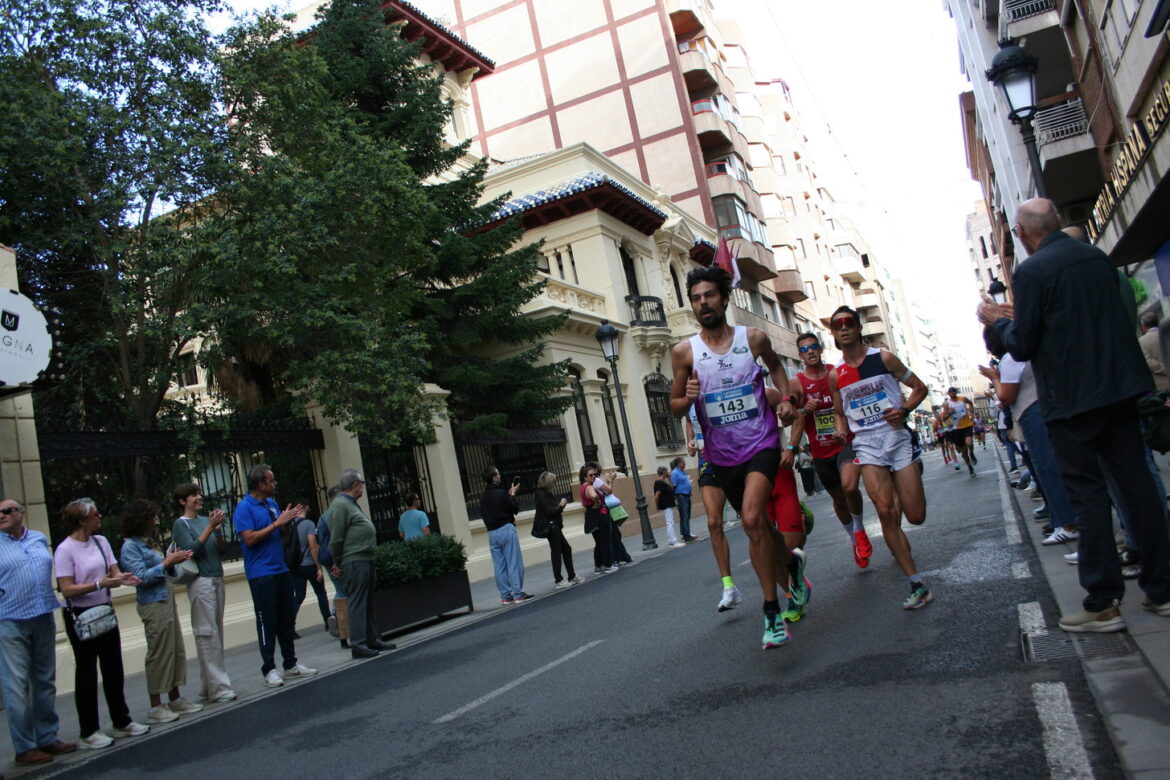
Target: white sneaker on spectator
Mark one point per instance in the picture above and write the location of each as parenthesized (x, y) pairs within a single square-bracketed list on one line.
[(161, 714), (273, 679), (300, 670), (1071, 558), (184, 706), (225, 696), (1060, 536), (131, 729), (94, 741)]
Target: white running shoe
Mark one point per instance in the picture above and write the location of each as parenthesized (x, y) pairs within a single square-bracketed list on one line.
[(184, 706), (300, 670), (731, 597), (1072, 558), (1060, 536), (273, 679), (678, 544)]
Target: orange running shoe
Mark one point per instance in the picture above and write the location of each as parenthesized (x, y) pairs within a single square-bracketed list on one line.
[(862, 549)]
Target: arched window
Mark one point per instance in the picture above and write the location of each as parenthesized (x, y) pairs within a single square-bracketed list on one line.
[(588, 446), (611, 423), (667, 429), (678, 290)]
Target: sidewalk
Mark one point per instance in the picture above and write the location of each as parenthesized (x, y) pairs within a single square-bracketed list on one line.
[(316, 649), (1132, 689)]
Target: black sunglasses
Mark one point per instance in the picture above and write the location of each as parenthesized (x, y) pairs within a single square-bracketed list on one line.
[(10, 509)]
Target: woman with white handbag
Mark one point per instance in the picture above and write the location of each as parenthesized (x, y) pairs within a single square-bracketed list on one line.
[(166, 660), (86, 570), (204, 537)]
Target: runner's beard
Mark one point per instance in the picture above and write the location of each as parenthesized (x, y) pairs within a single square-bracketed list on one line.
[(712, 320)]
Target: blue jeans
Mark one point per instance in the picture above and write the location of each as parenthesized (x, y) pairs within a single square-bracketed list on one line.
[(504, 544), (684, 513), (28, 672), (1010, 446), (1045, 470)]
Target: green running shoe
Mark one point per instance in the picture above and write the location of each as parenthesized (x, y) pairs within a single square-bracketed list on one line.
[(919, 597), (775, 631), (799, 588), (792, 613), (809, 520)]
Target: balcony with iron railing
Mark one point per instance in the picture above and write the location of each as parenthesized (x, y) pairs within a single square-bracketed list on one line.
[(1067, 150), (1014, 15), (646, 311), (1057, 123)]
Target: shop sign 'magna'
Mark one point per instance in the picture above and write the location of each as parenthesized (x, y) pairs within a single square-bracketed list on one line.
[(1130, 156)]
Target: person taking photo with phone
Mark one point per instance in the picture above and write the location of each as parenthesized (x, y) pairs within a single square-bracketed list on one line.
[(498, 507)]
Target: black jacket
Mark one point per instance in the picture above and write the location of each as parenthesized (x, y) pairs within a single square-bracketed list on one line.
[(549, 507), (1071, 323), (497, 508)]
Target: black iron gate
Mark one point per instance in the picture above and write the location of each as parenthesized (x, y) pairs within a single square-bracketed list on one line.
[(111, 468), (392, 474), (518, 452)]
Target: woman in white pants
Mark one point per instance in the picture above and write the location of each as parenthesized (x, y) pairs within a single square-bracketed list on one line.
[(204, 536)]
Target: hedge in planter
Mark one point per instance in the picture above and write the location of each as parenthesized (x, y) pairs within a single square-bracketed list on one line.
[(419, 580), (398, 563)]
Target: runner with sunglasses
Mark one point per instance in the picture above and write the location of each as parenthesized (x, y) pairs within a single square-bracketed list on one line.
[(832, 459), (716, 372), (867, 396)]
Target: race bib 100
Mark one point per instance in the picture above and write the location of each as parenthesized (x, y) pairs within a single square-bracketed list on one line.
[(730, 406), (824, 422)]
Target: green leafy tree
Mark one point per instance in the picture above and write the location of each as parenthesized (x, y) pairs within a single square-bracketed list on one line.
[(354, 270), (113, 140)]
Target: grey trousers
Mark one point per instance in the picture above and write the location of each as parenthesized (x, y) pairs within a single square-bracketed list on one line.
[(359, 586), (206, 595)]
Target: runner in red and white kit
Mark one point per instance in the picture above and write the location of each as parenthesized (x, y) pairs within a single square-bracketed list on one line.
[(867, 396), (832, 459)]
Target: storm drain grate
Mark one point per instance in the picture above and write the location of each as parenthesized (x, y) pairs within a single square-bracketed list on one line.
[(1057, 645)]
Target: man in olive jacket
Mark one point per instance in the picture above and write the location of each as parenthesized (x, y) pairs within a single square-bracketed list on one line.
[(352, 541), (1069, 321)]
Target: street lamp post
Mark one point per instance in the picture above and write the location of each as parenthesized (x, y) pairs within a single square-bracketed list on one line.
[(1013, 70), (607, 337), (998, 291)]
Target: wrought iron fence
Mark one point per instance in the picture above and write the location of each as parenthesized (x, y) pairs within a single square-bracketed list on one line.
[(391, 475), (1059, 122), (113, 467), (518, 452)]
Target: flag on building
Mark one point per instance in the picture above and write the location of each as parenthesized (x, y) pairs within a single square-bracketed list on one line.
[(727, 261)]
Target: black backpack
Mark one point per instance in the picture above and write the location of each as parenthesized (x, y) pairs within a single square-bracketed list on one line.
[(291, 541)]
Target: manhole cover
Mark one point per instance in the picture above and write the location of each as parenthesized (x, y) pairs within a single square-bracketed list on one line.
[(1056, 645)]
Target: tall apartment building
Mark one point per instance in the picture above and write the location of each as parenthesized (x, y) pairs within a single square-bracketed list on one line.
[(1103, 98), (666, 91), (983, 249)]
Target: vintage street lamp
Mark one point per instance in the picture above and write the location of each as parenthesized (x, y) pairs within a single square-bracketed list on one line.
[(1013, 70), (997, 290), (607, 337)]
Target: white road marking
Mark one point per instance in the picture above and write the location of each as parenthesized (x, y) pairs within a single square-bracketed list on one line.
[(1009, 516), (1021, 571), (1064, 747), (1031, 618), (450, 716)]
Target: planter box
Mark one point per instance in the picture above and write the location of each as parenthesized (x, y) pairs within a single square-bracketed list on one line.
[(414, 602)]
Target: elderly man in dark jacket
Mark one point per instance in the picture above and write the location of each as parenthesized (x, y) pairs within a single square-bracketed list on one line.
[(1070, 322), (498, 507)]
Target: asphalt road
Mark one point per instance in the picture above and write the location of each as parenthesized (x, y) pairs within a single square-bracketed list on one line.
[(637, 675)]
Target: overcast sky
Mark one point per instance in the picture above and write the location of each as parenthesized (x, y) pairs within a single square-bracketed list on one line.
[(877, 87)]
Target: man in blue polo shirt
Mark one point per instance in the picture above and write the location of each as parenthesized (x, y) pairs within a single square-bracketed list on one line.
[(258, 521), (681, 482)]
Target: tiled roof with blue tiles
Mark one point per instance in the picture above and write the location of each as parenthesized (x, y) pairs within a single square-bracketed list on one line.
[(589, 181), (442, 28)]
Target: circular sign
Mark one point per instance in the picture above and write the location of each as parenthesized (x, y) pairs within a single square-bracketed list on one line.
[(25, 343)]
